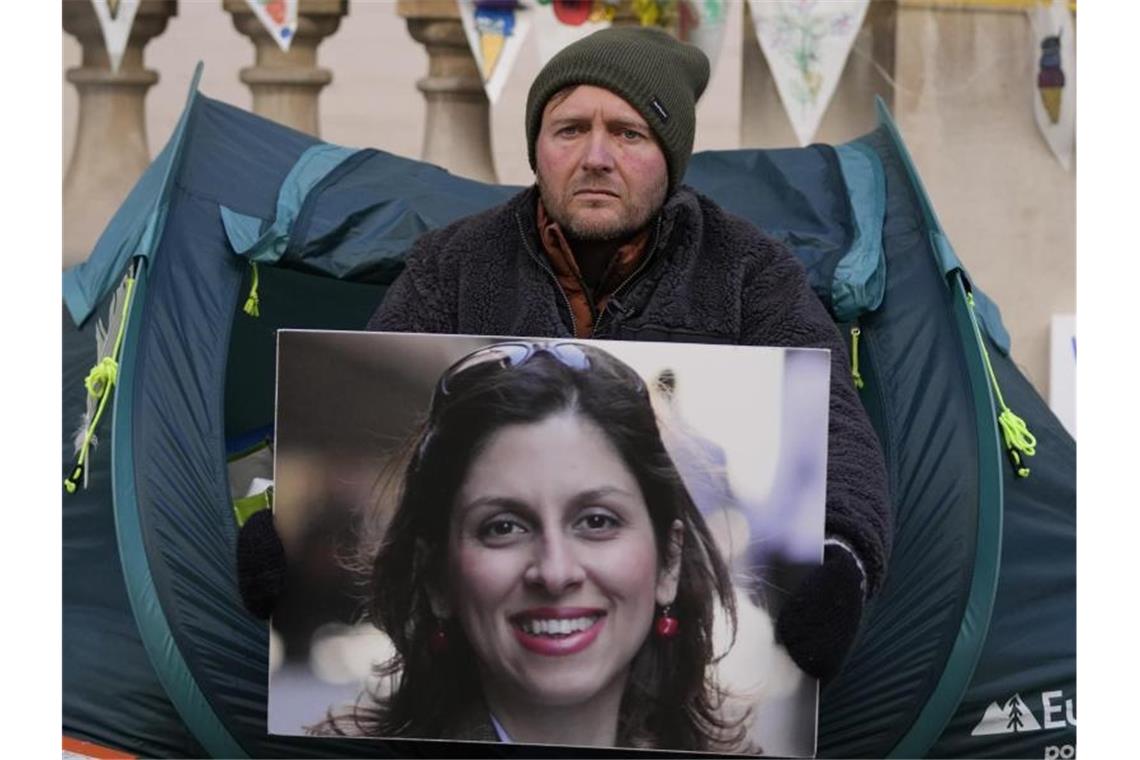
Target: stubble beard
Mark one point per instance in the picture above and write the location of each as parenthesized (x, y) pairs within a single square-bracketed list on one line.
[(631, 221)]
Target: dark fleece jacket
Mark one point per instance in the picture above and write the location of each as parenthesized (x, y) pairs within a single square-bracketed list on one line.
[(707, 277)]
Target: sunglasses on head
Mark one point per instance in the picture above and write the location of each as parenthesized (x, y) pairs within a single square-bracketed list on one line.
[(513, 354), (508, 355)]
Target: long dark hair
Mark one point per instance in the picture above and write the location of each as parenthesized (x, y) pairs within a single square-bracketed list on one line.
[(670, 700)]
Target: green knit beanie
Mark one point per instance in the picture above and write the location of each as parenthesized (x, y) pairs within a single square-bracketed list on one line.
[(653, 72)]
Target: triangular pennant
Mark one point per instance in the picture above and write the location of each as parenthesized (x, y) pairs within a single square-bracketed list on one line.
[(1054, 69), (279, 17), (702, 23), (562, 22), (495, 32), (115, 19), (806, 44), (698, 22)]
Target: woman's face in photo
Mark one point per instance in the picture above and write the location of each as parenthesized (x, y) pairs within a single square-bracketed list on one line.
[(553, 568)]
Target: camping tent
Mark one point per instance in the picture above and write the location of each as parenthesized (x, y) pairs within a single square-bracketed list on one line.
[(968, 650)]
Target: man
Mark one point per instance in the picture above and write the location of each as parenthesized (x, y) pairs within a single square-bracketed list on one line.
[(609, 244)]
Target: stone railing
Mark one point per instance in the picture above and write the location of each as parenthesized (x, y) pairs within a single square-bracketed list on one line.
[(110, 143), (286, 84), (457, 127), (110, 149)]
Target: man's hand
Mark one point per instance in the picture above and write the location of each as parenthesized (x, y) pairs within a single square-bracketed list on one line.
[(260, 564), (819, 622)]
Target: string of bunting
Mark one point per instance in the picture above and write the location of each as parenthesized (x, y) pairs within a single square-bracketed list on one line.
[(805, 42), (496, 29)]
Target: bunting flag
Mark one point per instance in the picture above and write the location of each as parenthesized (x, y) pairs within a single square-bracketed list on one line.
[(702, 23), (115, 19), (561, 22), (279, 17), (495, 31), (806, 44), (496, 28), (699, 22), (1054, 69)]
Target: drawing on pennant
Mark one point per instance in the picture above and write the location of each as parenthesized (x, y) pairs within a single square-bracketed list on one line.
[(798, 33), (1050, 77)]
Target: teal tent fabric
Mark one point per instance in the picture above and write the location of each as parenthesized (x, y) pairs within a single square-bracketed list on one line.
[(103, 659), (331, 227), (861, 275), (265, 241)]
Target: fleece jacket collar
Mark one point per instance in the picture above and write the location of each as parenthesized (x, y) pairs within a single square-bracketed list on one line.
[(586, 304)]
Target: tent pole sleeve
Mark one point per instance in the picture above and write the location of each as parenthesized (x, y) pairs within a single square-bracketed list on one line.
[(154, 629), (967, 648)]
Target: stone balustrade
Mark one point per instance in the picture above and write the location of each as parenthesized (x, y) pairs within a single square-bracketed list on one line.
[(286, 84), (457, 127), (111, 147), (110, 150)]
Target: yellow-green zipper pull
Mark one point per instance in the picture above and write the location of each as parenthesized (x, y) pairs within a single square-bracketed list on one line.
[(1019, 442), (253, 302), (855, 376), (100, 381)]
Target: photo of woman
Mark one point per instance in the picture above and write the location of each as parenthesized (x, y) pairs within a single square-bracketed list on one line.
[(537, 565)]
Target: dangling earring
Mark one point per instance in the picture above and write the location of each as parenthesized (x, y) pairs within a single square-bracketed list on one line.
[(437, 641), (666, 626)]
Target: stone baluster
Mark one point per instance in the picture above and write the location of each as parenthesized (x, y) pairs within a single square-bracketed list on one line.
[(286, 85), (457, 127), (110, 150), (870, 71)]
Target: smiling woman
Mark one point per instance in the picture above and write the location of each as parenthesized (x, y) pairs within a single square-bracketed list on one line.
[(546, 576)]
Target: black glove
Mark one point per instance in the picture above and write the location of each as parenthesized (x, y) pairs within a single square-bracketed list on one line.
[(260, 564), (819, 622)]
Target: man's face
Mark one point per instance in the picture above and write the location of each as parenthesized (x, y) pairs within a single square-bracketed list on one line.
[(601, 174)]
